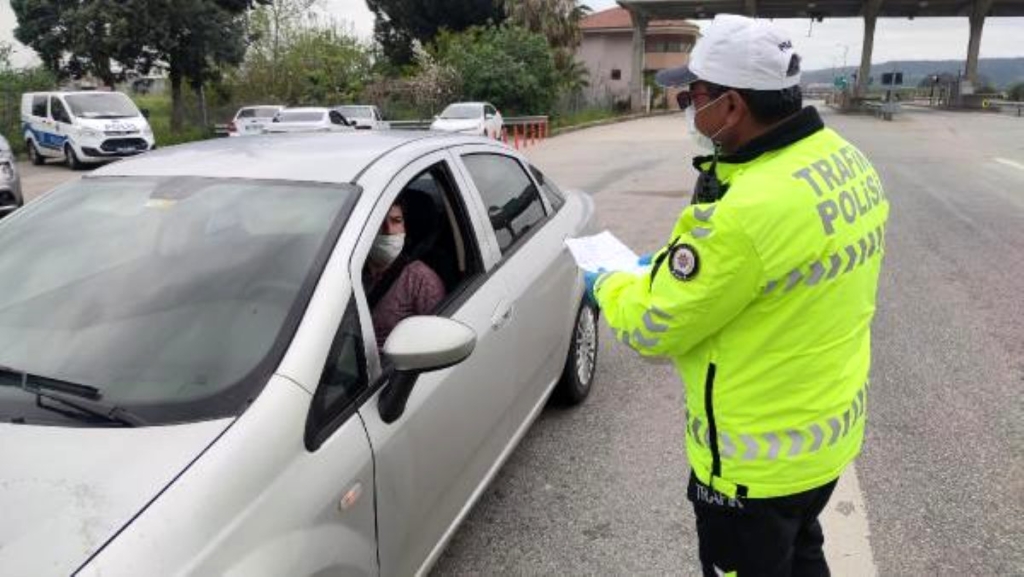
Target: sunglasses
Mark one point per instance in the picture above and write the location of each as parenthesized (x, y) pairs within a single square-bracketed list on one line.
[(686, 97)]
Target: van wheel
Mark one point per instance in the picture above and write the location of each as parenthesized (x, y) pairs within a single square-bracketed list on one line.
[(581, 365), (71, 158), (33, 153)]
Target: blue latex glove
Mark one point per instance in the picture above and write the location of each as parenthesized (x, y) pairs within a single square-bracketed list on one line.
[(645, 259), (590, 279)]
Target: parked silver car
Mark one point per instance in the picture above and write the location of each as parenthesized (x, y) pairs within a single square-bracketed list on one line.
[(10, 182), (190, 381), (307, 120), (363, 117)]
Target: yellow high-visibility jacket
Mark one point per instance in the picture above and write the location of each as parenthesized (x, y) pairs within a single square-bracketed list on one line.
[(764, 301)]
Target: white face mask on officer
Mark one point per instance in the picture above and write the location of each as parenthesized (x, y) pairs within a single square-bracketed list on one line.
[(386, 248), (699, 138)]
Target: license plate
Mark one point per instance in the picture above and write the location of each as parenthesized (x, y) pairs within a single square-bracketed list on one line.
[(252, 128), (126, 149)]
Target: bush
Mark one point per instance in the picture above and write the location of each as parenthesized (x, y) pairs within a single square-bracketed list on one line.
[(506, 65), (1016, 92), (14, 83)]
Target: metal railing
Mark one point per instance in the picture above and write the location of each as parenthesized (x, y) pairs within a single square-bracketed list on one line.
[(1001, 104)]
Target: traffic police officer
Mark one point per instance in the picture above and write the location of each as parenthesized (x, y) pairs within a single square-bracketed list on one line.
[(763, 298)]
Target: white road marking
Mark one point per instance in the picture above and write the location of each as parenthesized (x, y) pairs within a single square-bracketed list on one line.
[(845, 522), (1009, 162)]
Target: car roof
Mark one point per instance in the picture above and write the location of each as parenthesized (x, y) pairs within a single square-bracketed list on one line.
[(307, 109), (331, 157)]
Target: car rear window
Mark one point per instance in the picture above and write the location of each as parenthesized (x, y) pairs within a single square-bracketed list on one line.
[(300, 116)]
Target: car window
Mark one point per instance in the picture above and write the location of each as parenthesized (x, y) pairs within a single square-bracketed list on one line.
[(550, 190), (513, 204), (58, 112), (39, 106), (462, 111), (490, 110), (336, 117), (439, 239), (342, 381)]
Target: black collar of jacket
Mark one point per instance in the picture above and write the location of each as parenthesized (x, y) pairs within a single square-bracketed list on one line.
[(795, 128)]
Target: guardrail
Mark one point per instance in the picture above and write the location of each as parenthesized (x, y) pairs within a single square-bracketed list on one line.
[(1000, 104)]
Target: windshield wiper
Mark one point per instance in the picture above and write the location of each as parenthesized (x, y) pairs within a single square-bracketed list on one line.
[(83, 398)]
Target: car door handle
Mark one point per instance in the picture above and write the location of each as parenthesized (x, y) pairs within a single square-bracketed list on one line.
[(502, 315)]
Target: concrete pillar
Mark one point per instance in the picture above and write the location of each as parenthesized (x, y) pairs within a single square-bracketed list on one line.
[(871, 10), (865, 54), (636, 79), (977, 20)]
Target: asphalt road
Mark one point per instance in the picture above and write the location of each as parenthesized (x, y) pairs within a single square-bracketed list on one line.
[(600, 490)]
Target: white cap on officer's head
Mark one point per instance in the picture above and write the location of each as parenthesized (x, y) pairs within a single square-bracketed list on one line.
[(739, 52)]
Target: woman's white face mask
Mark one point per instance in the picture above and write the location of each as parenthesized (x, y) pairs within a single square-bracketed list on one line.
[(386, 248), (699, 138)]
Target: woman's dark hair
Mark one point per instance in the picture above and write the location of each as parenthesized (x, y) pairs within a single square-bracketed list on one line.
[(767, 106)]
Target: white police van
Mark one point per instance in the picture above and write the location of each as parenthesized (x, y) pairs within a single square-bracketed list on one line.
[(83, 127)]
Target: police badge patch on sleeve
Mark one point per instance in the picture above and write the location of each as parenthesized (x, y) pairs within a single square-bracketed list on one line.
[(683, 262)]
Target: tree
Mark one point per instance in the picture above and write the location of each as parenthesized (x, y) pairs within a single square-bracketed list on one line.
[(507, 65), (108, 38), (299, 58), (559, 22), (401, 22)]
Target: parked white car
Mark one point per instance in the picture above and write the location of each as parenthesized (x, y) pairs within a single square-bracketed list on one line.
[(307, 120), (478, 118), (191, 383), (250, 120), (364, 117), (83, 127), (10, 181)]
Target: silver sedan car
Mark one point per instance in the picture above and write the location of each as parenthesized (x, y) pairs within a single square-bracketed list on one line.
[(191, 378), (10, 182)]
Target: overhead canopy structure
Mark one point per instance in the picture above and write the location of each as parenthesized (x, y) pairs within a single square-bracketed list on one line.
[(975, 10)]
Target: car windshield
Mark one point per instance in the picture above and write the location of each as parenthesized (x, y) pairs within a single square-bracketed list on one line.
[(268, 112), (355, 111), (101, 105), (173, 296), (301, 116), (463, 111)]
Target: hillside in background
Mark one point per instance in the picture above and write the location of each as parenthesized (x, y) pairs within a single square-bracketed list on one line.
[(999, 72)]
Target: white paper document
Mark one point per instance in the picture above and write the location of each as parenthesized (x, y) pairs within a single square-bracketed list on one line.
[(603, 251)]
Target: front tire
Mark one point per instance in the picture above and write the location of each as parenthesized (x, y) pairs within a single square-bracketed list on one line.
[(581, 364), (71, 158)]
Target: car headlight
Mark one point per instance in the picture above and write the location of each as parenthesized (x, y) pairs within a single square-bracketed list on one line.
[(148, 132), (91, 133), (6, 170)]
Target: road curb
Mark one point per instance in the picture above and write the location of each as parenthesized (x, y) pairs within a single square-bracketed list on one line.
[(606, 121)]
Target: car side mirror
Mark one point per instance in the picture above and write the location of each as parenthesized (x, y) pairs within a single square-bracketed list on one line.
[(420, 344), (145, 113)]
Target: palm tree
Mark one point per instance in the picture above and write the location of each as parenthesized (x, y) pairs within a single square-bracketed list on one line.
[(558, 20)]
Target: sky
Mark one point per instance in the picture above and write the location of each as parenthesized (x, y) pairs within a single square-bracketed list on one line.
[(822, 45)]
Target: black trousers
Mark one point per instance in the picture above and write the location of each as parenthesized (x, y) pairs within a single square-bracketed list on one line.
[(776, 537)]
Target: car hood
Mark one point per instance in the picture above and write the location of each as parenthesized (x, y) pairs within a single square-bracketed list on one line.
[(65, 491), (456, 124), (136, 124)]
